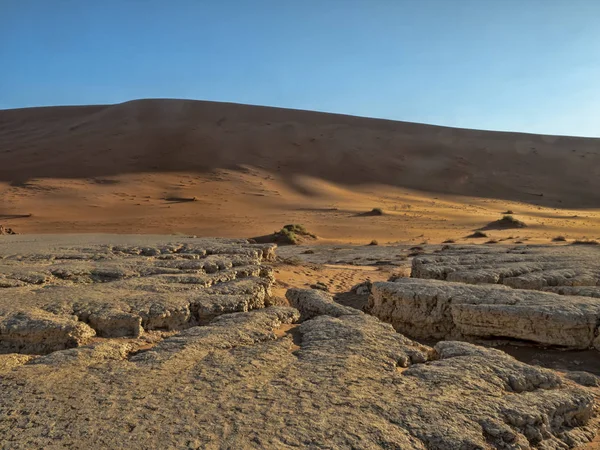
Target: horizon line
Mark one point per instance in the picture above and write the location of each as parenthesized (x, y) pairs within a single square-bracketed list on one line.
[(330, 113)]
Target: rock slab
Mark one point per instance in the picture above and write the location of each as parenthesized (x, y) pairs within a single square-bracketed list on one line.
[(433, 309)]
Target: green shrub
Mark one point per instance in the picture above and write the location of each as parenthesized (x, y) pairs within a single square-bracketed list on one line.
[(291, 234), (478, 234), (585, 242)]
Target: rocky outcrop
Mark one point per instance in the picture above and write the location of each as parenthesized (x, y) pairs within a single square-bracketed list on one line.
[(6, 230), (564, 270), (446, 310), (314, 302), (208, 363), (58, 297), (348, 381), (36, 331)]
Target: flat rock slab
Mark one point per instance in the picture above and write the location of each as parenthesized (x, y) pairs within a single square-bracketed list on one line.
[(436, 309), (60, 292), (565, 270), (334, 379)]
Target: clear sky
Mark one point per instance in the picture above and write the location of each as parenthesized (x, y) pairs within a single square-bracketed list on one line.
[(524, 65)]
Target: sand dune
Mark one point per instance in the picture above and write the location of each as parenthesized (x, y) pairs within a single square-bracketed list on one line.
[(111, 168)]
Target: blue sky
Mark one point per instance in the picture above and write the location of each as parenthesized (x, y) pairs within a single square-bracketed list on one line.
[(523, 65)]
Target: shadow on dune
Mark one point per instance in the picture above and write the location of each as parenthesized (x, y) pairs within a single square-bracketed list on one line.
[(508, 222), (149, 136), (14, 216)]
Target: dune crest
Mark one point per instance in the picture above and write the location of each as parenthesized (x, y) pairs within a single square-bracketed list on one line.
[(123, 161)]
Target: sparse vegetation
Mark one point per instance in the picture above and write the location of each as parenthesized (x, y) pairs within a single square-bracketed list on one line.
[(585, 242), (373, 212), (559, 239), (292, 234), (449, 241), (477, 235), (373, 242), (181, 199), (507, 221), (510, 221), (492, 241), (509, 211)]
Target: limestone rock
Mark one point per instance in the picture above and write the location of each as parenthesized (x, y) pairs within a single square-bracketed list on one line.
[(330, 382), (564, 270), (445, 310), (202, 362), (37, 331), (584, 378), (311, 303), (123, 290)]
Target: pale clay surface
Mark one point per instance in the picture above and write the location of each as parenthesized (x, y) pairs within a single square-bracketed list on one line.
[(433, 309), (314, 375), (546, 295), (53, 300), (569, 270)]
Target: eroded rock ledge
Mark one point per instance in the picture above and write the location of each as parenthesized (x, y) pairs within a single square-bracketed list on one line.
[(61, 297), (565, 270), (339, 380), (235, 372), (446, 310)]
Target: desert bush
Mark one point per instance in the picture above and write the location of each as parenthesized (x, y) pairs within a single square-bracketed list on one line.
[(585, 242), (292, 233), (508, 220), (478, 234)]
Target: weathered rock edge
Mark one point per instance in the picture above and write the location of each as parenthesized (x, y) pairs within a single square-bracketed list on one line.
[(63, 297), (562, 270), (348, 381), (435, 309)]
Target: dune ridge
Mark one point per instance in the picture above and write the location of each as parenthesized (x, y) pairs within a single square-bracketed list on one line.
[(56, 161)]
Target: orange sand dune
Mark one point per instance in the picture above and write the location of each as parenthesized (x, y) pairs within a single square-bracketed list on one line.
[(252, 169)]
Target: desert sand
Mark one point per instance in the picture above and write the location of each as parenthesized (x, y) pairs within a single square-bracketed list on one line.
[(190, 341), (122, 168)]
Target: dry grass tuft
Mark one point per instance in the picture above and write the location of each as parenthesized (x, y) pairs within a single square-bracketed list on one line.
[(477, 235), (585, 242)]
